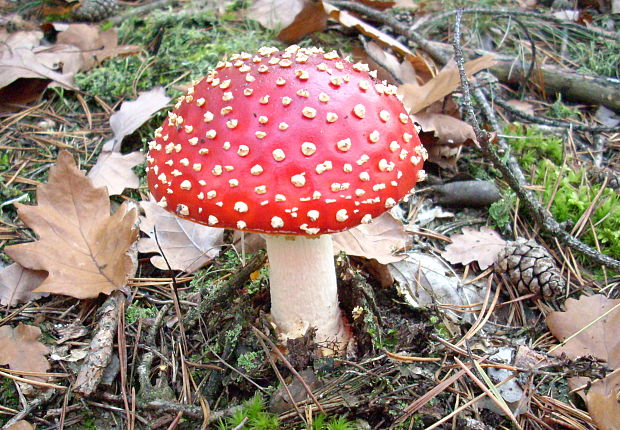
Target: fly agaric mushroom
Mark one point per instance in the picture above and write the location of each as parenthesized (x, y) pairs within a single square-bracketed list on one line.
[(295, 144)]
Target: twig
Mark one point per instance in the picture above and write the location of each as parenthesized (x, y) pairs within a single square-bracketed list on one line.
[(101, 346), (39, 401), (140, 10), (144, 368), (537, 119), (191, 411), (514, 12), (511, 170), (398, 27), (586, 88)]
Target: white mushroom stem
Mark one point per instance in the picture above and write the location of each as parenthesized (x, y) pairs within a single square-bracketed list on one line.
[(303, 288)]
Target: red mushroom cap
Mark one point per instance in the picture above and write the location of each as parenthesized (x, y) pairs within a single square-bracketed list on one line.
[(286, 142)]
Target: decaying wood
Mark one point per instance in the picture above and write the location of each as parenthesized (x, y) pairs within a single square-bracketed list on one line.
[(466, 193), (101, 346), (574, 86)]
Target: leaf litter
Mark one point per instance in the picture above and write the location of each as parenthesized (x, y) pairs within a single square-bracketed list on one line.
[(81, 246), (432, 276), (114, 169)]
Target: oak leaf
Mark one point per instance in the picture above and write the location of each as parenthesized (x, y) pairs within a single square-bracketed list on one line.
[(599, 339), (472, 245), (21, 425), (21, 350), (444, 129), (275, 14), (17, 284), (81, 246), (186, 245), (379, 239), (602, 402), (113, 169), (418, 97), (310, 19)]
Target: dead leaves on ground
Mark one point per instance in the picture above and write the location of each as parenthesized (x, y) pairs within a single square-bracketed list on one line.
[(28, 63), (81, 246), (179, 244), (602, 401), (113, 169), (481, 246), (599, 340), (17, 284), (21, 350), (379, 240)]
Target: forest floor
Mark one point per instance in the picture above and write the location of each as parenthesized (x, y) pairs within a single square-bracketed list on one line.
[(486, 299)]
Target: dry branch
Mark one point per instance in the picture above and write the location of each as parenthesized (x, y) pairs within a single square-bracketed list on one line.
[(511, 170), (573, 86), (101, 346)]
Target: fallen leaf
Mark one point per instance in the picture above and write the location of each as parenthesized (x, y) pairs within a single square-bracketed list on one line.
[(71, 355), (275, 14), (378, 240), (21, 425), (310, 19), (93, 44), (602, 402), (439, 129), (524, 107), (186, 245), (445, 82), (607, 117), (600, 340), (113, 169), (21, 350), (482, 246), (386, 59), (424, 280), (350, 21), (17, 284), (578, 384), (133, 114), (80, 245), (23, 77)]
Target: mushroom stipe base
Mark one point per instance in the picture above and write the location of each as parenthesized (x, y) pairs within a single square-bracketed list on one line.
[(304, 291)]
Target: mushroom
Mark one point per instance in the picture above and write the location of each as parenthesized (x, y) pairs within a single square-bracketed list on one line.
[(295, 144)]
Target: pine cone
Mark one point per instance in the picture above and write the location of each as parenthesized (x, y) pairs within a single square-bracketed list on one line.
[(95, 10), (530, 267)]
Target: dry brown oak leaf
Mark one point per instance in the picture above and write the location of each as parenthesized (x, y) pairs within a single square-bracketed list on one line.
[(80, 245), (21, 425), (472, 245), (599, 340), (21, 350), (602, 402)]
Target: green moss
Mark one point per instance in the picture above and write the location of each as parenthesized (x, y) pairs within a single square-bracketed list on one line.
[(180, 45), (250, 361), (596, 58), (501, 210), (565, 185), (532, 145), (252, 415), (561, 111), (135, 312)]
